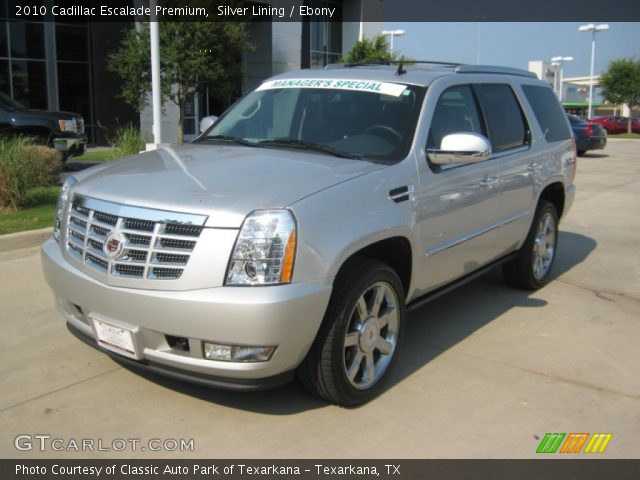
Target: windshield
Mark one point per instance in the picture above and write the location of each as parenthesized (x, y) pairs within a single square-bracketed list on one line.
[(9, 103), (358, 119)]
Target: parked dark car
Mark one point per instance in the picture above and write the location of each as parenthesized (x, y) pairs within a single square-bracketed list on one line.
[(63, 131), (615, 125), (589, 136)]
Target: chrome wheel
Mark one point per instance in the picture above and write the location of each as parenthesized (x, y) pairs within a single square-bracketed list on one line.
[(371, 336), (544, 246)]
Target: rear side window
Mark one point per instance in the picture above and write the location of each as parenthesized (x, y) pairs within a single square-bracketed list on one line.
[(548, 111), (506, 124)]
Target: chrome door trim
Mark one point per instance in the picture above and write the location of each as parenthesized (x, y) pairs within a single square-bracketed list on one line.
[(439, 247)]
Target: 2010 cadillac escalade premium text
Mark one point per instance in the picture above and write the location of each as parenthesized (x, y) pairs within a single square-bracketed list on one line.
[(294, 232)]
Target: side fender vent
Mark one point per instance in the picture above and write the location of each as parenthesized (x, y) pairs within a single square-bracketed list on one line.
[(401, 194)]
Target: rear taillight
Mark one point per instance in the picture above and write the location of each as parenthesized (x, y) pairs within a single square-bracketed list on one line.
[(588, 130)]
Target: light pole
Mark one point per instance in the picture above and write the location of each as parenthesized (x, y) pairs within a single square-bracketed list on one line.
[(393, 33), (592, 28), (478, 19), (559, 61), (556, 67), (156, 95)]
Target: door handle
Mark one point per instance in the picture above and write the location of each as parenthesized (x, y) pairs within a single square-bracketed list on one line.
[(489, 181)]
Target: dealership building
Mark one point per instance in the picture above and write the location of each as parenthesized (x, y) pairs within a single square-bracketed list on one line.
[(58, 65)]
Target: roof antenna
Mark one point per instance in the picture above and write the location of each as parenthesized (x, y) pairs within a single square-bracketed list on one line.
[(400, 71)]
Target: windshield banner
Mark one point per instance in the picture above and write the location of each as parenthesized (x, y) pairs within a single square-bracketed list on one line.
[(393, 89)]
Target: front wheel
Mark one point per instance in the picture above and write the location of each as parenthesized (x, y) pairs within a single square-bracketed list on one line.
[(531, 268), (358, 342)]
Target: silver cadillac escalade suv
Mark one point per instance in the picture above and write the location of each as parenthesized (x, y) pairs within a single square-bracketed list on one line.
[(293, 234)]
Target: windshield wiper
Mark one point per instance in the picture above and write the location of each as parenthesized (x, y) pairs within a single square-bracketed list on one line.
[(295, 143), (230, 139)]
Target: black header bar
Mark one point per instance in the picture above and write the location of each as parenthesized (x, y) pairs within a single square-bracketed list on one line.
[(304, 10), (547, 469)]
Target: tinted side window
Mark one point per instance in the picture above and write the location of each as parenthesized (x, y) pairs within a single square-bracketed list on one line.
[(455, 112), (548, 111), (505, 120), (573, 120)]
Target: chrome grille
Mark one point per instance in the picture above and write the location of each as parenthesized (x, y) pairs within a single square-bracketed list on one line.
[(105, 218), (136, 224), (139, 239), (187, 230), (133, 270), (152, 247), (177, 244)]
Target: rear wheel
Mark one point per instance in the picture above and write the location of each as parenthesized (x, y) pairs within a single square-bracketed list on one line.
[(531, 268), (357, 344)]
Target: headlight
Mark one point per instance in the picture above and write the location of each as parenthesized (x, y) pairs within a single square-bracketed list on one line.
[(265, 249), (65, 193), (68, 126)]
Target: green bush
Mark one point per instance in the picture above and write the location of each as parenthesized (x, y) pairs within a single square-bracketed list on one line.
[(23, 167), (127, 140), (41, 196)]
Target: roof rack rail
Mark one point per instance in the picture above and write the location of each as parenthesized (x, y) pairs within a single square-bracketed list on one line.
[(457, 67), (404, 62), (494, 69)]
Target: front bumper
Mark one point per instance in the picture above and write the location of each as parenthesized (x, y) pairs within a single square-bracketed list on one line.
[(71, 146), (285, 316)]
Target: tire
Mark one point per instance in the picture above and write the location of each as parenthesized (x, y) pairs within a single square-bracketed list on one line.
[(581, 153), (531, 268), (363, 326)]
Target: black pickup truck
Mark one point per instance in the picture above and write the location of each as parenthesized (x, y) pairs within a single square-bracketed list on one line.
[(63, 131)]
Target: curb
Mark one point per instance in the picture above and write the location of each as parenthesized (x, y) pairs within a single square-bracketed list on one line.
[(28, 239)]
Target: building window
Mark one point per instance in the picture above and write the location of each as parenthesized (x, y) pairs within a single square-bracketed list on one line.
[(72, 43), (74, 72), (30, 83), (23, 72), (5, 86), (27, 40), (3, 40), (73, 88), (28, 70), (325, 37)]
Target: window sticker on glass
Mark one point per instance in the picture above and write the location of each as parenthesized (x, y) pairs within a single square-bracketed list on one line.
[(384, 88)]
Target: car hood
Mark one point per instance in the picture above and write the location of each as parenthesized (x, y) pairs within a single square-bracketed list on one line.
[(225, 182), (55, 116)]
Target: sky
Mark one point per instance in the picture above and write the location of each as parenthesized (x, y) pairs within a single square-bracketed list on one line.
[(513, 44)]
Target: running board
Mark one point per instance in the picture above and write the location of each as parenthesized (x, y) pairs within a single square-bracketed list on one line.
[(438, 292)]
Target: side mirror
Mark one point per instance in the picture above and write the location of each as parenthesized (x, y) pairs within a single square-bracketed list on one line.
[(461, 148), (206, 122)]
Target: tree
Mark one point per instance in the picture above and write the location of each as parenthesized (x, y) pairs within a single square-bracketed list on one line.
[(620, 84), (192, 55), (374, 50)]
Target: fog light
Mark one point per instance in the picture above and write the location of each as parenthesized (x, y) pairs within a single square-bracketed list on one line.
[(237, 353), (213, 351)]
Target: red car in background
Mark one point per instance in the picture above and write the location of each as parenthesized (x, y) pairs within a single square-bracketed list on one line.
[(615, 125)]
